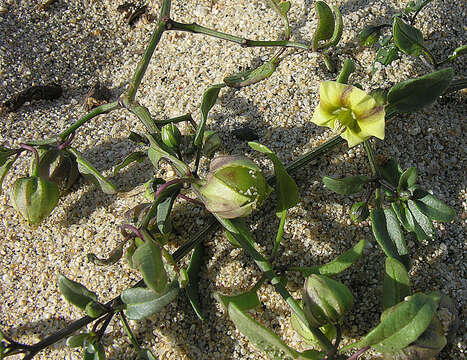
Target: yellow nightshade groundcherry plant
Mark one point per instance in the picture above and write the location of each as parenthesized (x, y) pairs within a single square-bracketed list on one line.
[(347, 109)]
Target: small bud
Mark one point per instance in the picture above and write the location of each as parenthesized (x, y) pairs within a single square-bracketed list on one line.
[(211, 143), (171, 136), (235, 186), (94, 309), (359, 212), (325, 300), (34, 198)]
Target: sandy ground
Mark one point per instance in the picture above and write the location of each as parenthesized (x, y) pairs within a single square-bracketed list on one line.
[(75, 43)]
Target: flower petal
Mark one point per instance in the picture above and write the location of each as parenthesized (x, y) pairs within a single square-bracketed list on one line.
[(373, 125), (322, 117), (353, 138), (330, 93)]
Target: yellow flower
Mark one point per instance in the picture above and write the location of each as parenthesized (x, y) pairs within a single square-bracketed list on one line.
[(348, 109)]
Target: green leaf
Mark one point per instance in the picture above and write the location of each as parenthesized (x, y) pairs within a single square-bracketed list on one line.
[(75, 293), (423, 225), (401, 326), (386, 55), (262, 338), (404, 216), (77, 340), (148, 259), (432, 207), (396, 283), (164, 209), (326, 24), (232, 239), (381, 234), (286, 188), (414, 94), (338, 29), (407, 38), (281, 8), (391, 172), (91, 173), (397, 236), (329, 330), (415, 6), (94, 351), (192, 290), (336, 266), (4, 170), (244, 301), (369, 35), (407, 179), (94, 309), (137, 156), (346, 186), (142, 303), (250, 77), (5, 154), (209, 99)]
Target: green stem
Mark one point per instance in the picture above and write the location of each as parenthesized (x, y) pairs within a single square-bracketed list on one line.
[(430, 56), (141, 112), (371, 157), (280, 232), (175, 120), (128, 331), (244, 237), (144, 63), (103, 109), (198, 29)]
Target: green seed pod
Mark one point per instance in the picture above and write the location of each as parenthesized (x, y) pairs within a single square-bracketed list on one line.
[(34, 198), (359, 212), (171, 136), (59, 167), (234, 187), (211, 143), (325, 300), (94, 309), (78, 340)]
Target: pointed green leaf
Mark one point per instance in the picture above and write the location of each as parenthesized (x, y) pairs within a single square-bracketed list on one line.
[(338, 29), (336, 266), (90, 172), (262, 338), (432, 207), (286, 188), (244, 301), (94, 351), (401, 326), (369, 35), (346, 186), (75, 293), (77, 340), (232, 239), (415, 6), (137, 156), (414, 94), (397, 236), (396, 283), (148, 259), (407, 179), (404, 216), (209, 99), (250, 77), (326, 24), (423, 225), (386, 55), (4, 170), (407, 38), (142, 303), (192, 290), (329, 330), (391, 172), (164, 209), (381, 234), (94, 309)]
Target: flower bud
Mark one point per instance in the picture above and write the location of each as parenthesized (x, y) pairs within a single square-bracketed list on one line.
[(234, 187), (59, 167), (34, 198), (211, 142), (325, 300), (171, 136), (359, 212)]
